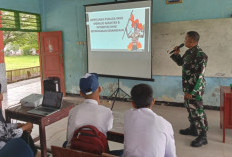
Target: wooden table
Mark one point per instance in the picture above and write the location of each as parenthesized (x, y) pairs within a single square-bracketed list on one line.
[(225, 109), (20, 113)]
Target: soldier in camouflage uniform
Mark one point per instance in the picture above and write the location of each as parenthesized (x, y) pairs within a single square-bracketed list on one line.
[(193, 64)]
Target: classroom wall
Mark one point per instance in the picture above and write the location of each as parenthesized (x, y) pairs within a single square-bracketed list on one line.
[(215, 41), (68, 16), (191, 10), (32, 6), (3, 80)]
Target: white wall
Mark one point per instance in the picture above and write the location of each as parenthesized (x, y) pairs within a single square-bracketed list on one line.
[(216, 39)]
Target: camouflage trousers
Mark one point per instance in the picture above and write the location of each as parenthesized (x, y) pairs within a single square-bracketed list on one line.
[(197, 116)]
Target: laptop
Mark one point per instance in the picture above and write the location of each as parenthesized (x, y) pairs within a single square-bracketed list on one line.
[(51, 103)]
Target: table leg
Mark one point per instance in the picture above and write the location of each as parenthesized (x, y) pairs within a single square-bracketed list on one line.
[(42, 135), (8, 119), (223, 135)]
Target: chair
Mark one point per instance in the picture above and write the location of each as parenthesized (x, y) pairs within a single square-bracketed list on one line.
[(64, 152), (115, 137), (107, 155)]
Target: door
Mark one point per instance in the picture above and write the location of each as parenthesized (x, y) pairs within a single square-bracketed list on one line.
[(51, 57)]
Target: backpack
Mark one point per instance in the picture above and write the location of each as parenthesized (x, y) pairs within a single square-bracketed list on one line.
[(89, 139)]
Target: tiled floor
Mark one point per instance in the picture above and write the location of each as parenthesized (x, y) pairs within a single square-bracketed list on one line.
[(17, 91), (177, 116)]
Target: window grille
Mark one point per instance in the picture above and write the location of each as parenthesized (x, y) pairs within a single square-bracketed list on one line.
[(11, 20)]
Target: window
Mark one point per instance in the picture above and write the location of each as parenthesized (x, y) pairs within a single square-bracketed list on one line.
[(19, 21)]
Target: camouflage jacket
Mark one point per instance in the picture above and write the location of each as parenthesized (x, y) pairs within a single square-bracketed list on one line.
[(193, 64)]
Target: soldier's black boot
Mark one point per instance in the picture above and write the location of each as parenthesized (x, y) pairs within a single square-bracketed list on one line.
[(200, 140), (192, 130)]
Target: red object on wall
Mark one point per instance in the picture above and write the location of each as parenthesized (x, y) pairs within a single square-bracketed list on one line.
[(225, 109), (1, 43)]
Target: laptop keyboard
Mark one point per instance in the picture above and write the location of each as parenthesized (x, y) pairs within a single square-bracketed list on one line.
[(45, 109)]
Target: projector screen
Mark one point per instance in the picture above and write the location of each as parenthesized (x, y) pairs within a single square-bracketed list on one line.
[(119, 39)]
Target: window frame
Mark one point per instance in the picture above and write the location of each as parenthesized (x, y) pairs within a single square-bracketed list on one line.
[(17, 21)]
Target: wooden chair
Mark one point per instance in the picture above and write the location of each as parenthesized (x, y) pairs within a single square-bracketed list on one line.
[(64, 152), (107, 155), (115, 137)]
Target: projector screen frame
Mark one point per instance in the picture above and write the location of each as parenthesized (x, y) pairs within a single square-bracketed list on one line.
[(129, 78), (120, 76)]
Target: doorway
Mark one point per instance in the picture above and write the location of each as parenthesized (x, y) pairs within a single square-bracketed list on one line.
[(18, 39), (21, 55)]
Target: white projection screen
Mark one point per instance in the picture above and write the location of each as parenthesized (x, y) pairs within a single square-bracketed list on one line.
[(119, 39)]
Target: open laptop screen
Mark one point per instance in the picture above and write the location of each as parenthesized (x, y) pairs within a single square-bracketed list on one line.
[(52, 99)]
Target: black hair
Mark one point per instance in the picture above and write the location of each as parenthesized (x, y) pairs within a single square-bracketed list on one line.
[(194, 35), (142, 95)]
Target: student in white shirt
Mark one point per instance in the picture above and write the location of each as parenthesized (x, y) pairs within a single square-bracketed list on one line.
[(145, 133), (90, 112)]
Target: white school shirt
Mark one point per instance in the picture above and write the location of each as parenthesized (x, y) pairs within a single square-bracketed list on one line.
[(147, 135), (89, 113)]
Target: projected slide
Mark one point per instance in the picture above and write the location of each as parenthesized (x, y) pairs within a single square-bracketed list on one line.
[(119, 30), (119, 39)]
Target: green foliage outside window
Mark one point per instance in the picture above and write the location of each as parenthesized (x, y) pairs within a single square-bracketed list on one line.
[(11, 20), (20, 30)]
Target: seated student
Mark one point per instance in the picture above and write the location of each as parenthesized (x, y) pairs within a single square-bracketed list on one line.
[(9, 131), (145, 133), (89, 112), (16, 147)]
